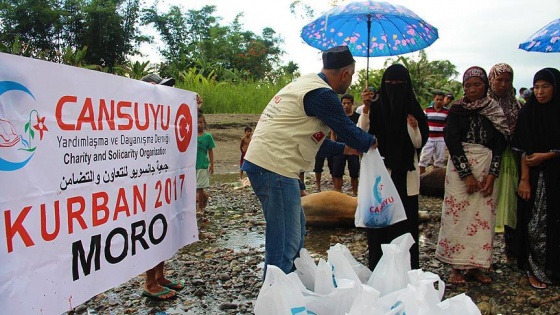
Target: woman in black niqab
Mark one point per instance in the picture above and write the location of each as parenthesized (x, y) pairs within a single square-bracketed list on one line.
[(388, 119), (391, 115)]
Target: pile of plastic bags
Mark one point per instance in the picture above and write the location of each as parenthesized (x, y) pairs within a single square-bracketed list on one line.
[(343, 286)]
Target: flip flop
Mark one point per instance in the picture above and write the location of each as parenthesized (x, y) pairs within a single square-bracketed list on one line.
[(174, 285), (535, 283), (158, 296)]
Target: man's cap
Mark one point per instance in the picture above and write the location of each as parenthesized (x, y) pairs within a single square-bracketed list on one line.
[(154, 78), (450, 95), (337, 57)]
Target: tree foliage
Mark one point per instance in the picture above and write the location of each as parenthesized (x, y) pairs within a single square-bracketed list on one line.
[(50, 29), (196, 39)]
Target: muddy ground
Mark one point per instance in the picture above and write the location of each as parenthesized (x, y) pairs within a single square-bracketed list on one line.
[(223, 271)]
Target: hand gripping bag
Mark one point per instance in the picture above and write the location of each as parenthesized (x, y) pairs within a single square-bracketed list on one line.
[(379, 204)]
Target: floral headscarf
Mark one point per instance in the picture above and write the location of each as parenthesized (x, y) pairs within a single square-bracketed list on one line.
[(509, 103)]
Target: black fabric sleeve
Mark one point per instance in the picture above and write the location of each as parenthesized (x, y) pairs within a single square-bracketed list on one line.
[(500, 146), (452, 137)]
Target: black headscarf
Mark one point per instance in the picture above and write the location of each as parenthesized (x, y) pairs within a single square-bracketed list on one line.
[(538, 129), (388, 119)]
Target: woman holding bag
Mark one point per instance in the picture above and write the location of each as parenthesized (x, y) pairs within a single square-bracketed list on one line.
[(400, 126), (475, 137)]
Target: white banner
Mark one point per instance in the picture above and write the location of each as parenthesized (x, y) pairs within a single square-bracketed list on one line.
[(97, 181)]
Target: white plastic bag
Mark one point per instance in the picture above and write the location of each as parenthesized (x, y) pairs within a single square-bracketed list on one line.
[(460, 304), (365, 303), (342, 269), (379, 204), (391, 272), (338, 302), (325, 282), (420, 296), (305, 269), (279, 295), (362, 271), (426, 280)]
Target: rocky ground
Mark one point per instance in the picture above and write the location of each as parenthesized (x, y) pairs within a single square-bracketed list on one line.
[(223, 271)]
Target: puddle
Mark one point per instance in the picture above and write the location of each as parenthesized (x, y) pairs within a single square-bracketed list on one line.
[(238, 240)]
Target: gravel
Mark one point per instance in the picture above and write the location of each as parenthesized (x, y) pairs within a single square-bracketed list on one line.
[(223, 271)]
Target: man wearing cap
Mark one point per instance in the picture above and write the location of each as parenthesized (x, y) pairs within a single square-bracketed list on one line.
[(156, 79), (291, 130)]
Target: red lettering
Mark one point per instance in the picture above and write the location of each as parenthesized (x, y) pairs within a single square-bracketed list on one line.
[(382, 206), (17, 227), (146, 113), (99, 204), (121, 205), (164, 123), (106, 115), (139, 198), (50, 217), (58, 112), (44, 233), (77, 215), (128, 112), (120, 114), (86, 115)]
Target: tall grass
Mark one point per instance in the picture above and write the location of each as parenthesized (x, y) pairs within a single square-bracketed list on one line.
[(233, 98)]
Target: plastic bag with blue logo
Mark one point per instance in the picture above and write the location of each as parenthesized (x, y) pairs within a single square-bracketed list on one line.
[(280, 295), (379, 204)]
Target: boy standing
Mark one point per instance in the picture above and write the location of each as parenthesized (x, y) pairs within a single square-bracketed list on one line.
[(204, 162), (435, 147), (339, 161), (245, 140)]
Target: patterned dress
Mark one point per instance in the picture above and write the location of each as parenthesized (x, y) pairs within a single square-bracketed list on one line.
[(467, 220)]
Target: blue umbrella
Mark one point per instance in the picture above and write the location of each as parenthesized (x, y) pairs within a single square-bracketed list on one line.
[(546, 40), (370, 28)]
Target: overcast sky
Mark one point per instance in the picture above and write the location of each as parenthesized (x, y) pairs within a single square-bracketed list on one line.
[(471, 32)]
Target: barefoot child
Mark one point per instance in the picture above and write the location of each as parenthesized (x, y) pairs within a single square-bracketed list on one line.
[(245, 140), (204, 162)]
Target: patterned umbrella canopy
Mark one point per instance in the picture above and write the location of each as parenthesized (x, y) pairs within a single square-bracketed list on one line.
[(546, 40), (370, 28)]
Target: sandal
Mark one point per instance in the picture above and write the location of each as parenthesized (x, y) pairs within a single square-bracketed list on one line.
[(535, 283), (174, 285), (478, 275), (160, 295), (456, 277)]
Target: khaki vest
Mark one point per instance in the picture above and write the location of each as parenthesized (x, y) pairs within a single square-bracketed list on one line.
[(286, 140)]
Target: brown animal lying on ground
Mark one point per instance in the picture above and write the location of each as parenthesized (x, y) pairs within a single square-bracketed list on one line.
[(329, 209), (334, 209)]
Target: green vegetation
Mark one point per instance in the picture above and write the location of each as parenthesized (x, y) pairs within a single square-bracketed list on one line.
[(239, 98), (233, 69)]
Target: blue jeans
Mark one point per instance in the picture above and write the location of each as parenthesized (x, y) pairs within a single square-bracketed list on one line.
[(285, 219)]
